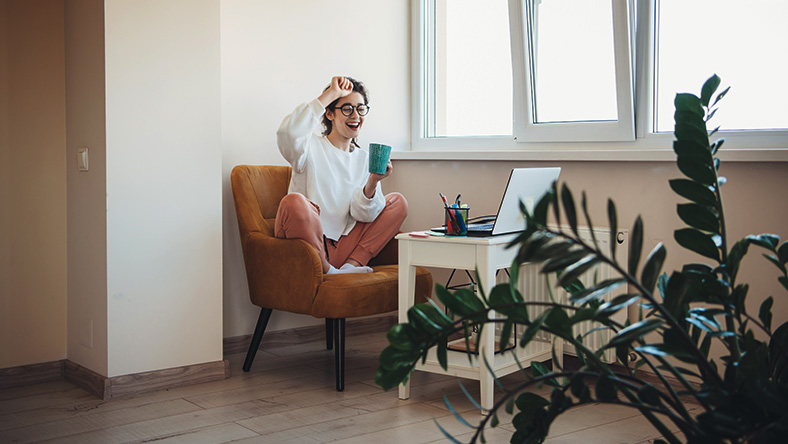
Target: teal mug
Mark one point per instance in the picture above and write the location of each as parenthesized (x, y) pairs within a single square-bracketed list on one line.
[(378, 157)]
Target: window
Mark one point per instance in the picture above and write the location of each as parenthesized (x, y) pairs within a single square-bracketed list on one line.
[(745, 45), (469, 75), (574, 70), (489, 75)]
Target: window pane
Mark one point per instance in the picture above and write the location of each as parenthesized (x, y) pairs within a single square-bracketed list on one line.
[(742, 42), (473, 69), (575, 67)]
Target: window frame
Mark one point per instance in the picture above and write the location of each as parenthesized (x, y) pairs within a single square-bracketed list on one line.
[(762, 145), (526, 129)]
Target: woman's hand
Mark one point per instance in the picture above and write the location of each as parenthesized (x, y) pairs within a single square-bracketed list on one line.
[(339, 87), (372, 181)]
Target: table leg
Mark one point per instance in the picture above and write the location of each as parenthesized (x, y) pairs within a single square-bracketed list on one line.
[(487, 341), (407, 295)]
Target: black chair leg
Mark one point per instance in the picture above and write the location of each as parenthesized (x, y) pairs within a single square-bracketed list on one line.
[(262, 322), (329, 333), (339, 352)]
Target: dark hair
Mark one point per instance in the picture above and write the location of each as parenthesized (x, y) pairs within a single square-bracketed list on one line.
[(357, 87)]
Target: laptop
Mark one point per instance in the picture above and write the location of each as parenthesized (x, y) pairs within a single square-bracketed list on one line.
[(525, 184)]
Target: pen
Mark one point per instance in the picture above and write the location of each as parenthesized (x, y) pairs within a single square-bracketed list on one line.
[(445, 202), (452, 219)]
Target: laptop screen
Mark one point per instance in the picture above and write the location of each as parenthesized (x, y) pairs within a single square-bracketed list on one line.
[(527, 185)]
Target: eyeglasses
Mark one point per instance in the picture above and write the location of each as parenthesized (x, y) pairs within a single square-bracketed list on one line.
[(347, 109)]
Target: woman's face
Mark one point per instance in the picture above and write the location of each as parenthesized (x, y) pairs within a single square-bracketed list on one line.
[(347, 127)]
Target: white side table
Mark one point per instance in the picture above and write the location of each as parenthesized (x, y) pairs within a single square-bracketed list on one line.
[(487, 255)]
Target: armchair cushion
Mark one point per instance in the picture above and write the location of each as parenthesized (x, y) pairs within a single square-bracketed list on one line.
[(353, 295)]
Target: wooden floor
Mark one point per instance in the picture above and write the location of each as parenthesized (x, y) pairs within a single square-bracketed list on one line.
[(288, 397)]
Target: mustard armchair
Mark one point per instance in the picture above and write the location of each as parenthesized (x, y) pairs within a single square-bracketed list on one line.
[(286, 274)]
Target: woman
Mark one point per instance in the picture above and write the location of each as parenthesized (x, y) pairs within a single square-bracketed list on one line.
[(334, 203)]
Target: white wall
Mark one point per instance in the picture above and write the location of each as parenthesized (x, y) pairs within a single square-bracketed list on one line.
[(87, 190), (276, 55), (164, 253)]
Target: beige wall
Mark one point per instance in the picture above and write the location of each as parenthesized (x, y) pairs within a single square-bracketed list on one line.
[(32, 183), (752, 198)]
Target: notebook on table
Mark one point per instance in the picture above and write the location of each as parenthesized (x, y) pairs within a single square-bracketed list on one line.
[(525, 184)]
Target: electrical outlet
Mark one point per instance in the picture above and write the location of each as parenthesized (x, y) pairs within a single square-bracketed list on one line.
[(82, 159), (86, 333)]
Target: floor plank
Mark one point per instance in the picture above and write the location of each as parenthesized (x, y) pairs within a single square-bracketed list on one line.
[(289, 397)]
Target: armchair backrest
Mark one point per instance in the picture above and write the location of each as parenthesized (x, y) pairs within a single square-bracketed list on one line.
[(257, 191)]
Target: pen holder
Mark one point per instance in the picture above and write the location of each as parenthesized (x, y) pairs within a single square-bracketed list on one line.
[(456, 221)]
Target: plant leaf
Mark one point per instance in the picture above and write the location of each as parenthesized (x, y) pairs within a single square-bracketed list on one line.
[(579, 388), (721, 95), (606, 389), (575, 270), (782, 253), (696, 169), (569, 207), (776, 262), (442, 353), (765, 313), (462, 302), (532, 329), (688, 102), (635, 245), (698, 242), (651, 350), (617, 303), (584, 204), (561, 262), (675, 294), (698, 216), (399, 337), (778, 360), (540, 209), (653, 267), (783, 280), (538, 370), (427, 318), (558, 320), (708, 89), (613, 221), (596, 290), (715, 147), (735, 256), (634, 331), (508, 301), (768, 241), (649, 394), (693, 191), (506, 333)]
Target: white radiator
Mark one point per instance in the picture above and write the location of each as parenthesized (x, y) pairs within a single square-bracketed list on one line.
[(533, 287)]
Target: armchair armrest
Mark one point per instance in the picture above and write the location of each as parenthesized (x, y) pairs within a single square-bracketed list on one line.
[(283, 274)]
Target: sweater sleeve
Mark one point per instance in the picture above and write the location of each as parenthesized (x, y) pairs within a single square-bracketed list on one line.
[(363, 209), (295, 132)]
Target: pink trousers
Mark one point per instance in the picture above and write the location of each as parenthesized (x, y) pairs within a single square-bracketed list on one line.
[(298, 217)]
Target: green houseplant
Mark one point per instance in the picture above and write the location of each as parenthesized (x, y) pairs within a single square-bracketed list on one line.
[(742, 395)]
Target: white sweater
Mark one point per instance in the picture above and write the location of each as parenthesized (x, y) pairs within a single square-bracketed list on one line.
[(331, 178)]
